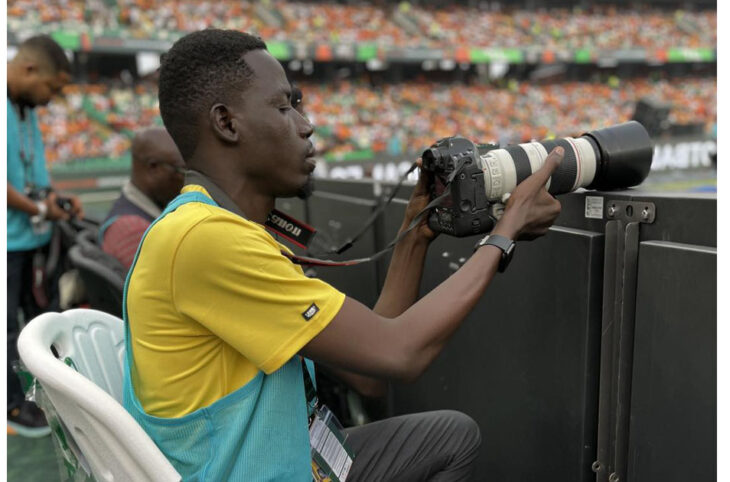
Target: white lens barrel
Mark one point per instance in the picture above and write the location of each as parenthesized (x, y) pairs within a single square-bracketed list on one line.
[(505, 168), (586, 161)]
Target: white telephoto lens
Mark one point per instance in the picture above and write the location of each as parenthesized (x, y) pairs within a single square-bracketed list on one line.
[(502, 172)]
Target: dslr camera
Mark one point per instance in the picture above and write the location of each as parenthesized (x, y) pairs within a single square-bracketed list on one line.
[(471, 180), (40, 194)]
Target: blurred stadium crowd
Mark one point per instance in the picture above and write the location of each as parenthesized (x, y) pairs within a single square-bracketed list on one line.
[(97, 120), (400, 25)]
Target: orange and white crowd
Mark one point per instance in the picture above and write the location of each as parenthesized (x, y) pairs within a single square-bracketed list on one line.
[(94, 120), (387, 24)]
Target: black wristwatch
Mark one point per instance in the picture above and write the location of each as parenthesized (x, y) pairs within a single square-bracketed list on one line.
[(506, 245)]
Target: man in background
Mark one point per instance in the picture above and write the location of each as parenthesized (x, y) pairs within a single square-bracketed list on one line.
[(36, 74), (157, 177)]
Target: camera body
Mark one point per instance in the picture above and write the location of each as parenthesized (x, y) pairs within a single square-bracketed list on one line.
[(466, 210), (40, 194), (37, 193)]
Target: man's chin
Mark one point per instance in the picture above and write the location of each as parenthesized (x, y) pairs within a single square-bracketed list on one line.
[(305, 191)]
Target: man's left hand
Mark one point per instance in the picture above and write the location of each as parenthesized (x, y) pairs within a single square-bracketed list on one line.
[(419, 200), (77, 209)]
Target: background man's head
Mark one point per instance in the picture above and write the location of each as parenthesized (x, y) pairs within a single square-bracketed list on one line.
[(157, 166), (201, 69), (38, 72)]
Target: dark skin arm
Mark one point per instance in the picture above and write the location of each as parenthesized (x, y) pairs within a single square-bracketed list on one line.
[(21, 202), (402, 347), (402, 282)]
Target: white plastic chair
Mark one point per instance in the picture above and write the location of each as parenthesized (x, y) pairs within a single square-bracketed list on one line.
[(88, 401)]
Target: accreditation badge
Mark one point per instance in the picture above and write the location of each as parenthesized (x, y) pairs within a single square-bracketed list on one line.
[(331, 457)]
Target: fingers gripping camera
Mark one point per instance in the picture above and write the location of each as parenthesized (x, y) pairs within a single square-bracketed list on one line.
[(473, 180)]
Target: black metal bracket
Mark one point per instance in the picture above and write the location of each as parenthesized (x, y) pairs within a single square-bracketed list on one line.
[(631, 211), (621, 261)]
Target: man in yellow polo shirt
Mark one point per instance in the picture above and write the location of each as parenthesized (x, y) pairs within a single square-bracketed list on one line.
[(220, 322)]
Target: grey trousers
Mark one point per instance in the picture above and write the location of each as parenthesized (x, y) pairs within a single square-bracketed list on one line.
[(431, 446)]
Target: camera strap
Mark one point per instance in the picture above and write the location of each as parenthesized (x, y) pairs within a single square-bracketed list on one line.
[(417, 219), (305, 260), (348, 244), (26, 144)]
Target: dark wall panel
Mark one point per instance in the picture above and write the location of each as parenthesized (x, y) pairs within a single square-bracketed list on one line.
[(338, 217), (294, 207), (673, 407), (524, 362)]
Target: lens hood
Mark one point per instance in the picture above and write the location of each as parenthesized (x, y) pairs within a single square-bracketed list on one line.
[(626, 152)]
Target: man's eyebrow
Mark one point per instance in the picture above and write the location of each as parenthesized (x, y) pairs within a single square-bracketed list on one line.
[(285, 91)]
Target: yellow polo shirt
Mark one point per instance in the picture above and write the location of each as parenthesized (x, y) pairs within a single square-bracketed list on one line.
[(211, 301)]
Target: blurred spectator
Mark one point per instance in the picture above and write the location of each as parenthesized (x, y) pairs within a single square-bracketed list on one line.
[(157, 177), (35, 76)]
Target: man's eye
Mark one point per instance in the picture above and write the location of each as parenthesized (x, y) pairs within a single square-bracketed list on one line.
[(284, 109)]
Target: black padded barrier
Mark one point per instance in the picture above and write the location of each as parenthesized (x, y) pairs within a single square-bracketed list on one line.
[(523, 364), (672, 435), (591, 358), (338, 213)]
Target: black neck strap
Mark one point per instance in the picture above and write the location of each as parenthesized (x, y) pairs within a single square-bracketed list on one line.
[(277, 222), (310, 392), (218, 195)]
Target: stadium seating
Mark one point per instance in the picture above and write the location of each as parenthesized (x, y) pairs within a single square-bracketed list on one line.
[(95, 120), (84, 385), (399, 25)]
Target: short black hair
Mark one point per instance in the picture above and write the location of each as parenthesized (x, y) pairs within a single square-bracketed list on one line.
[(200, 69), (48, 51)]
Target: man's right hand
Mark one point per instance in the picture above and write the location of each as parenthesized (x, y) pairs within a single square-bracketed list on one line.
[(55, 212), (401, 346), (530, 209)]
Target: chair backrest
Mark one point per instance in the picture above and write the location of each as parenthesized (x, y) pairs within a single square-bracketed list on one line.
[(102, 274), (87, 240), (84, 384)]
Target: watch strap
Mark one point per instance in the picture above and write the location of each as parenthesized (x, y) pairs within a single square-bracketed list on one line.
[(42, 210), (499, 241), (505, 244)]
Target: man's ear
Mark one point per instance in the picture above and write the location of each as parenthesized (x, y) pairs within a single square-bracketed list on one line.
[(224, 124), (30, 70), (29, 65)]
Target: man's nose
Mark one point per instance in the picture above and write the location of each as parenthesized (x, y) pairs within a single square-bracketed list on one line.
[(306, 129)]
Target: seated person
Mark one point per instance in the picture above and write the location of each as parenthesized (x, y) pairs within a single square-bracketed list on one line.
[(221, 323), (157, 177)]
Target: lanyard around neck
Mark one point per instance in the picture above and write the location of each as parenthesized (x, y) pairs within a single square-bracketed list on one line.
[(26, 144)]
